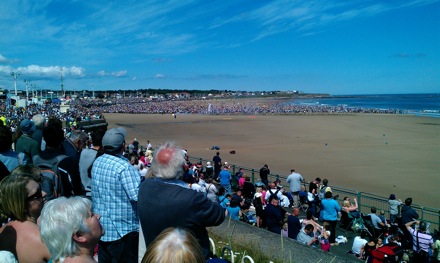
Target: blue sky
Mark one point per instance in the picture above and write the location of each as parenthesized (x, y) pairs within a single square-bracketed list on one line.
[(335, 47)]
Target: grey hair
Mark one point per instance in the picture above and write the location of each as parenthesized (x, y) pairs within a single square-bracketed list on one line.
[(78, 135), (60, 219), (168, 161), (39, 120)]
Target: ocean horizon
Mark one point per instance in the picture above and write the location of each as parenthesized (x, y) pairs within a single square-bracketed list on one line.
[(416, 104)]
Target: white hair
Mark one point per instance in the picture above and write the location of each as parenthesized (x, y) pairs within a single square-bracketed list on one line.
[(168, 161)]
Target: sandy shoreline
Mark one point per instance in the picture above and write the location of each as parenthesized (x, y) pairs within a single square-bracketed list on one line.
[(379, 154)]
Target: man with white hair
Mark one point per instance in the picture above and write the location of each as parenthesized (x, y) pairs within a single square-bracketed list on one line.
[(165, 201), (115, 187)]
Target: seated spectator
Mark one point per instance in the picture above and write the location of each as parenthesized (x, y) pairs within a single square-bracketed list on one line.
[(351, 208), (233, 210), (174, 245), (377, 222), (70, 229), (211, 191), (359, 243), (310, 219), (369, 247), (238, 197), (225, 200), (324, 237), (382, 216), (22, 200), (307, 235)]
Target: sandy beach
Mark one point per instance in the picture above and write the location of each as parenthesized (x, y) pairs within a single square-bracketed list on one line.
[(379, 154)]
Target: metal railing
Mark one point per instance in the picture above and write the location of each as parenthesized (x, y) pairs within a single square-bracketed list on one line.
[(365, 200)]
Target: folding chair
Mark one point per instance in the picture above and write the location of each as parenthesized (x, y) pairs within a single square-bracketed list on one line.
[(346, 220), (369, 227)]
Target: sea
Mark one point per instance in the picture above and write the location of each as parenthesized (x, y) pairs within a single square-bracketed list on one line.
[(415, 104)]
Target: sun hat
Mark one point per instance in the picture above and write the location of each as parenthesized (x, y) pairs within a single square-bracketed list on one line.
[(114, 138)]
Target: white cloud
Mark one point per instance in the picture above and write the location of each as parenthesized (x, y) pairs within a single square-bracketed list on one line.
[(159, 76), (119, 74)]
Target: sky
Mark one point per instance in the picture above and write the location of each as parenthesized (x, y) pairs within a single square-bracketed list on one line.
[(333, 47)]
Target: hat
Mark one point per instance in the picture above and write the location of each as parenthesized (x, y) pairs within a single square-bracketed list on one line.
[(114, 138), (392, 197), (422, 226), (27, 126), (208, 163)]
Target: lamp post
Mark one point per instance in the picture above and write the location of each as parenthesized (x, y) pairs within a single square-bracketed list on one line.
[(27, 91), (14, 75)]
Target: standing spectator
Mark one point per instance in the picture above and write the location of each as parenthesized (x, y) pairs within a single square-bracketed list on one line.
[(408, 215), (294, 180), (264, 173), (273, 191), (422, 241), (53, 135), (209, 170), (258, 202), (165, 201), (330, 209), (70, 230), (74, 144), (87, 157), (40, 123), (217, 161), (248, 188), (26, 144), (115, 187), (22, 200), (274, 216), (225, 179), (174, 245), (394, 208), (293, 224), (7, 156)]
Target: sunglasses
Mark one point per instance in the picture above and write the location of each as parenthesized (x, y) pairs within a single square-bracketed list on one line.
[(37, 195)]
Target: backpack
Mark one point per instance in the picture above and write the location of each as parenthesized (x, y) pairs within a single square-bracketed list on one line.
[(51, 178), (273, 194), (321, 194)]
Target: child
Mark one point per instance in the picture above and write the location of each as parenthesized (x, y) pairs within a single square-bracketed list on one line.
[(324, 237)]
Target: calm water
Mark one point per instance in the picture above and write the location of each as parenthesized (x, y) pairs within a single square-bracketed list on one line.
[(419, 104)]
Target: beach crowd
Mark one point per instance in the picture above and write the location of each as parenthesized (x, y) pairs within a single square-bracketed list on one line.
[(71, 196)]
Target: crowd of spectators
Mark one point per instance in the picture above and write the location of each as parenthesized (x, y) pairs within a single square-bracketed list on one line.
[(136, 183)]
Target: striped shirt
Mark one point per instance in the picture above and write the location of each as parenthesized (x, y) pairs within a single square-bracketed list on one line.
[(425, 240), (115, 187)]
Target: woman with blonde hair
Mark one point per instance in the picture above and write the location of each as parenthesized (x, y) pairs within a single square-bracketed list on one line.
[(174, 245), (21, 199)]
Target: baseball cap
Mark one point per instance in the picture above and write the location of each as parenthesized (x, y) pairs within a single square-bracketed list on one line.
[(114, 138), (27, 126)]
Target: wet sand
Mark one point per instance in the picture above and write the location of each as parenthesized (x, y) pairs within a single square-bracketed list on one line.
[(379, 154)]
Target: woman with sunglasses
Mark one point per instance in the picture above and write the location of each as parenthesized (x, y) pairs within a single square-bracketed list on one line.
[(22, 200)]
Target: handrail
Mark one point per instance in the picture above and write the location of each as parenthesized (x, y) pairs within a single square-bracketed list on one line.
[(365, 200)]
